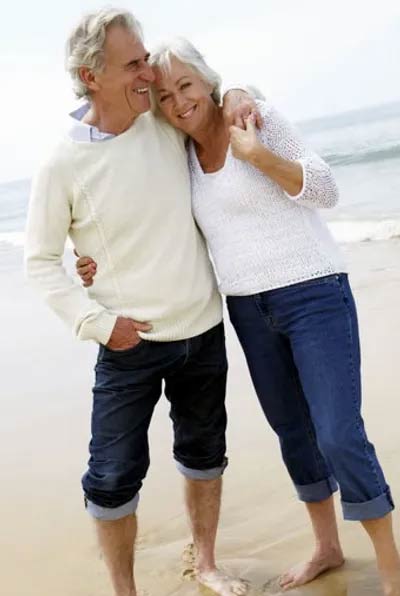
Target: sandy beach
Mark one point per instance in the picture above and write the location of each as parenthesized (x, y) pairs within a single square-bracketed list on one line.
[(47, 544)]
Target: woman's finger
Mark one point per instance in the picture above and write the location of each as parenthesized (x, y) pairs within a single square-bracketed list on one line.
[(84, 261), (86, 269), (87, 276)]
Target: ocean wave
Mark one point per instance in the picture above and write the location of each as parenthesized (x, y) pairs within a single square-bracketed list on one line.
[(17, 239), (12, 238), (345, 231), (363, 156)]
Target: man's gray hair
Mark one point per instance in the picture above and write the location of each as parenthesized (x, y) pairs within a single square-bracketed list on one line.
[(85, 45), (185, 51)]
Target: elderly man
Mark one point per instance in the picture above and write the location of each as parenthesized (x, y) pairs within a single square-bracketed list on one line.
[(118, 185)]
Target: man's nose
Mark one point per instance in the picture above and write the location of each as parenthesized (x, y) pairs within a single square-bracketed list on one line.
[(148, 74)]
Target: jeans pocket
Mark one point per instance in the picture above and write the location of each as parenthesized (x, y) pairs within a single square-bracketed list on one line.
[(136, 348)]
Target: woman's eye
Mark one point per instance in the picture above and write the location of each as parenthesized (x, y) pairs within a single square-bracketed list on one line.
[(185, 85)]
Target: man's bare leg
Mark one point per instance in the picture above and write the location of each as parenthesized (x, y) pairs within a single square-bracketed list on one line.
[(328, 552), (117, 540), (387, 556), (203, 501)]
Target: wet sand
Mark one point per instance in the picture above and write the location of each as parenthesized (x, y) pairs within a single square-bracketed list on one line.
[(47, 545)]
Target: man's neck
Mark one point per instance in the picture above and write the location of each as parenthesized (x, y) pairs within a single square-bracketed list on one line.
[(108, 119)]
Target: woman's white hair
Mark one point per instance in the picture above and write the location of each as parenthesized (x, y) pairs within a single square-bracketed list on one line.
[(85, 45), (186, 53)]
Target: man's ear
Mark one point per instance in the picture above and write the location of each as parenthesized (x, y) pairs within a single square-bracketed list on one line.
[(88, 77)]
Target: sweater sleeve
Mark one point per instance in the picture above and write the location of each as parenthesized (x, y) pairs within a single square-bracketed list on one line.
[(319, 186), (48, 224)]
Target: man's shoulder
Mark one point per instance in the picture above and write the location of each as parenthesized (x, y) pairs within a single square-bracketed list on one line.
[(165, 130), (58, 157)]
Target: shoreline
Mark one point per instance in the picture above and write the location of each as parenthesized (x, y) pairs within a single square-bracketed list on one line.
[(48, 544)]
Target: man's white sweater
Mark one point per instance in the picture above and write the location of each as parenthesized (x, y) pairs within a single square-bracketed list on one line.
[(125, 203)]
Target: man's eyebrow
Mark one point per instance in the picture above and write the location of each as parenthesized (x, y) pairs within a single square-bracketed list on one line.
[(137, 60)]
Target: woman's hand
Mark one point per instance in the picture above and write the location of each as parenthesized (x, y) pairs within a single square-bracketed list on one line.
[(238, 105), (86, 268), (245, 143)]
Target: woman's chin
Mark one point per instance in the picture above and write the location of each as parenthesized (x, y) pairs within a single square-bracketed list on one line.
[(186, 126)]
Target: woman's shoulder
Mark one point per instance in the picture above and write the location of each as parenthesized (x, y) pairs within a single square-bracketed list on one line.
[(275, 125), (268, 111)]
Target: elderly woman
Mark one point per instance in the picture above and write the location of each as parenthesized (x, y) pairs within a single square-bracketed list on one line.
[(255, 197)]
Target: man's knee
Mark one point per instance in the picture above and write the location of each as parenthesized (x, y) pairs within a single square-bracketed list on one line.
[(111, 490), (112, 513)]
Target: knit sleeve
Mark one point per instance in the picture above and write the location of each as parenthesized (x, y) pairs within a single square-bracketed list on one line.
[(319, 186), (48, 224)]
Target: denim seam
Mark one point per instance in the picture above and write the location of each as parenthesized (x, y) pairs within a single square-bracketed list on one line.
[(318, 459), (350, 338), (268, 320)]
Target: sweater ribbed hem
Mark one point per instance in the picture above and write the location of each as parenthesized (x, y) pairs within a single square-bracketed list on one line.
[(178, 330)]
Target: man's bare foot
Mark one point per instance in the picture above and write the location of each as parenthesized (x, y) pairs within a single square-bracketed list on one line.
[(221, 583), (305, 572), (217, 581)]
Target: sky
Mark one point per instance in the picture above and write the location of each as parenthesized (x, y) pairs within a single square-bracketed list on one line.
[(309, 57)]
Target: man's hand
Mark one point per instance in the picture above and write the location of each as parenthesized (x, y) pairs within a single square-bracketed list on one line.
[(245, 143), (238, 105), (86, 268), (125, 334)]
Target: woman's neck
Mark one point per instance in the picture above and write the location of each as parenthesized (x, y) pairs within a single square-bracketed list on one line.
[(212, 131)]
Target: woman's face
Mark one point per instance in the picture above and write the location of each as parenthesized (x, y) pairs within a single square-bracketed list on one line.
[(183, 97)]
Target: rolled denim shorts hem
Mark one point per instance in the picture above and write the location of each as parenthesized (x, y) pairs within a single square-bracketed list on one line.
[(210, 474), (112, 513), (373, 509), (318, 491)]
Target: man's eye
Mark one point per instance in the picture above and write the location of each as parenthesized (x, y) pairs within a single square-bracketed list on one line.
[(163, 98)]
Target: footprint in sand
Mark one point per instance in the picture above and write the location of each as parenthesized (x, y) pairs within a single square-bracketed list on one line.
[(189, 562)]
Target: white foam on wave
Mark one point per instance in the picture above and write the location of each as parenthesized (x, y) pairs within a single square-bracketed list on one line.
[(17, 239), (345, 231), (12, 238)]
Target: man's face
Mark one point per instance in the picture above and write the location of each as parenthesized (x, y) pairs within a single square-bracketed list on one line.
[(123, 84)]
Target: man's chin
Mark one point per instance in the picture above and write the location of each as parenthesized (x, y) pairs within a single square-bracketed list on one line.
[(143, 106)]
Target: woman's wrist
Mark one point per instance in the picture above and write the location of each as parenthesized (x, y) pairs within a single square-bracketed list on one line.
[(260, 156)]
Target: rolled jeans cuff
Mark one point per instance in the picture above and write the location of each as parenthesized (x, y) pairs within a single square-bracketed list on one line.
[(210, 474), (112, 513), (318, 491), (373, 509)]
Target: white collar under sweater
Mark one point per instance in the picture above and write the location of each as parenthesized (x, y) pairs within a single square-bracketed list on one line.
[(85, 133)]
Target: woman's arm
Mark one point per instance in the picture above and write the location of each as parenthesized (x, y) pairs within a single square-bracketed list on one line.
[(278, 152)]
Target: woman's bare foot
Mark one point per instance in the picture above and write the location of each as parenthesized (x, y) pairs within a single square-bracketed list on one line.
[(221, 583), (305, 572)]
